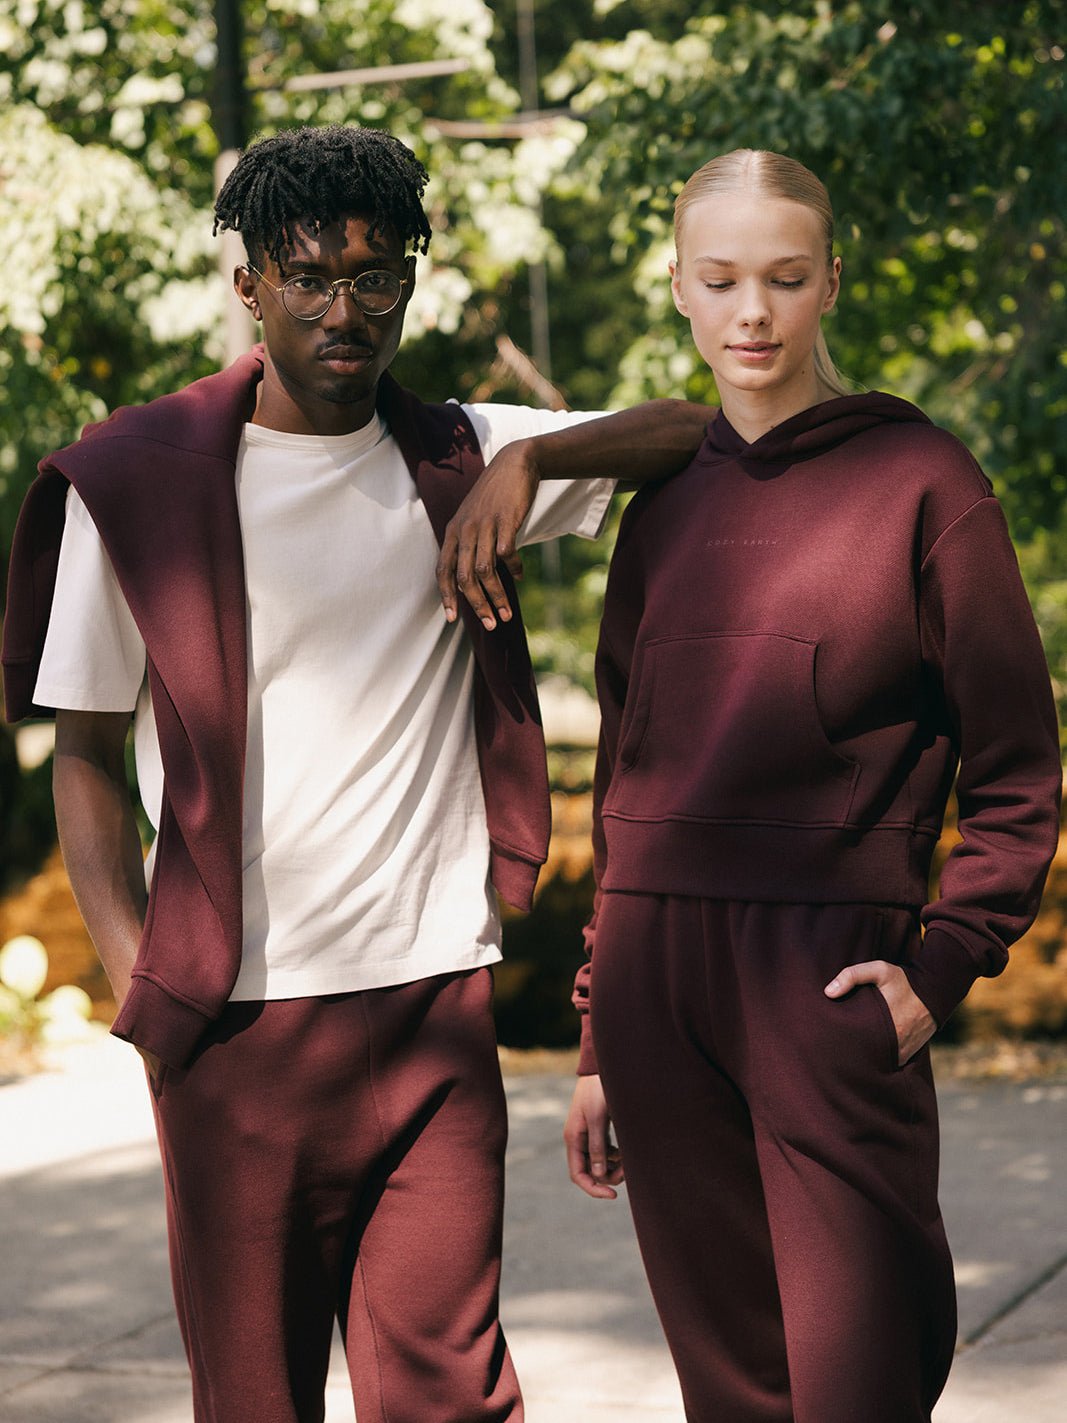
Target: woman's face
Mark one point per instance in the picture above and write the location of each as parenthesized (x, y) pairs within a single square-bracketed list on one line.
[(753, 279)]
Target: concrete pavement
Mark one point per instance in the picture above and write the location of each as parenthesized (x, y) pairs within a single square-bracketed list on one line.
[(86, 1327)]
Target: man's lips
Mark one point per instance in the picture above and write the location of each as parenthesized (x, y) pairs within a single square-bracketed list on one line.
[(346, 355)]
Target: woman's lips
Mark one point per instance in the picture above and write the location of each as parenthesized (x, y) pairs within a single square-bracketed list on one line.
[(755, 352)]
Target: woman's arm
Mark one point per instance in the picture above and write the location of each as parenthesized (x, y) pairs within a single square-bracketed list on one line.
[(593, 1161), (982, 648), (982, 645)]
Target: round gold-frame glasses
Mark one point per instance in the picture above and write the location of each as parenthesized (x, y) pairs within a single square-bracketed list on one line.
[(307, 297)]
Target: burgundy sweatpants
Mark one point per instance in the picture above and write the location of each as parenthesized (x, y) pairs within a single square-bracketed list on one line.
[(342, 1158), (781, 1168)]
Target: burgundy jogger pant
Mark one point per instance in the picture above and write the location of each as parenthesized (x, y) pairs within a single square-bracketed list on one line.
[(781, 1167), (342, 1158)]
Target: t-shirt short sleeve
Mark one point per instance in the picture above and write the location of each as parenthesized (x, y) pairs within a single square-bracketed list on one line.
[(561, 506), (94, 656)]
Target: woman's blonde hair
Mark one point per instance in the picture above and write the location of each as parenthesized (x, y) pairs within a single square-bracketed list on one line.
[(758, 170)]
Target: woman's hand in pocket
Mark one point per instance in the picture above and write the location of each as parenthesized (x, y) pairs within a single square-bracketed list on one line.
[(912, 1019)]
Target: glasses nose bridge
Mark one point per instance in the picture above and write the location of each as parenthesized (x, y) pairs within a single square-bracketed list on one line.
[(335, 292)]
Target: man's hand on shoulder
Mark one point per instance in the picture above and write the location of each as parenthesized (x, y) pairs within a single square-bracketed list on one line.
[(650, 441), (482, 534)]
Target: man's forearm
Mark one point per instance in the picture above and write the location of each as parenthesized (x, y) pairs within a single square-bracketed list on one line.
[(649, 441), (102, 850)]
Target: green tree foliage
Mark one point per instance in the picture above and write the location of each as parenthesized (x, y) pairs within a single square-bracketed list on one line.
[(936, 129), (105, 128)]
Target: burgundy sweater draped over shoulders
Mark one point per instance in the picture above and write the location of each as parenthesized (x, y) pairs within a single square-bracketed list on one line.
[(158, 481)]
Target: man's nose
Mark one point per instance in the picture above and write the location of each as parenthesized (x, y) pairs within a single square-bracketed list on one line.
[(344, 313)]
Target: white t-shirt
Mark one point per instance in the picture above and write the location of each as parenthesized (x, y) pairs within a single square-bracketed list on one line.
[(366, 850)]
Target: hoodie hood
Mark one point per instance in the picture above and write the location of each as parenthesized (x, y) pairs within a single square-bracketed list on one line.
[(809, 432)]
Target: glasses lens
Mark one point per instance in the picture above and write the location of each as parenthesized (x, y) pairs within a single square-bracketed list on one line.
[(306, 296), (377, 292)]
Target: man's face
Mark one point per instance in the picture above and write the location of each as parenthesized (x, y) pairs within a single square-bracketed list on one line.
[(321, 376)]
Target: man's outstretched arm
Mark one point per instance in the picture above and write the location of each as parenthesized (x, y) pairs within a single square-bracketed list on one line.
[(650, 441)]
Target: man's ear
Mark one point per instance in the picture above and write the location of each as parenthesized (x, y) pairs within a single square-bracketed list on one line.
[(246, 287)]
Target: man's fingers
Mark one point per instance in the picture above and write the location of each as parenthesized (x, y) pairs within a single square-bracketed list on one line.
[(445, 573), (506, 552), (485, 569), (482, 533), (476, 575), (470, 585)]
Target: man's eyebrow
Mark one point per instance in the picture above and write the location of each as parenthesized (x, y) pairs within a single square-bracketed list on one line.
[(308, 264)]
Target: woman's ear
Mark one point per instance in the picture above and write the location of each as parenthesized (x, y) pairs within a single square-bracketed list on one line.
[(676, 287), (833, 287)]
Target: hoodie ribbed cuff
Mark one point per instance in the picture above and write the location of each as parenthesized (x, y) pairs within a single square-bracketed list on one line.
[(942, 974), (587, 1065)]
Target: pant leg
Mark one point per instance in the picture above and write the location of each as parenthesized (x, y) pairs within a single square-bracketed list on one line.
[(833, 1161), (692, 1173), (421, 1324), (848, 1150), (276, 1157), (261, 1176)]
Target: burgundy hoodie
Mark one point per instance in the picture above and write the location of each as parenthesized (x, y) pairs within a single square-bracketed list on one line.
[(158, 481), (803, 639)]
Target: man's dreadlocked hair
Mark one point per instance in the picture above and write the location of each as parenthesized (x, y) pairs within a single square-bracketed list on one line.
[(314, 176)]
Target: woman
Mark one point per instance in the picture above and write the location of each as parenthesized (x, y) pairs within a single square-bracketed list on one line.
[(804, 635)]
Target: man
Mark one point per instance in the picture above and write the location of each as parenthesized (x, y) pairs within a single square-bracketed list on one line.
[(335, 771)]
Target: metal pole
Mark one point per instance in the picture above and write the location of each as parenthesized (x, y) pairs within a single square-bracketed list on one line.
[(540, 342), (230, 121), (530, 90)]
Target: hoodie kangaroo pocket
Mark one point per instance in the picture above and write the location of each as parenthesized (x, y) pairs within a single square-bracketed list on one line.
[(726, 726)]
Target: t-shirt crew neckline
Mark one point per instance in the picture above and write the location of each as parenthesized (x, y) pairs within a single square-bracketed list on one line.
[(354, 443)]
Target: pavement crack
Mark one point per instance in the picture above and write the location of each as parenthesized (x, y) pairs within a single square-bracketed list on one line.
[(89, 1357), (1009, 1307), (88, 1360)]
